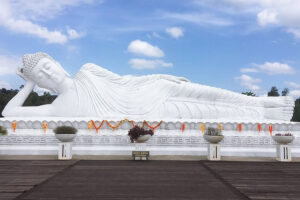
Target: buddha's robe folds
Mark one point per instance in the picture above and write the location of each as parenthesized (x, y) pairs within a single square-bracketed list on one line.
[(102, 93)]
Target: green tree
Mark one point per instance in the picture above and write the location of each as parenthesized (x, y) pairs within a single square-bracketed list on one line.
[(285, 92), (273, 92), (296, 116), (32, 100), (5, 97), (249, 93)]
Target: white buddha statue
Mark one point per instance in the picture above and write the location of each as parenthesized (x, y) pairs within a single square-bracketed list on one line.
[(97, 92)]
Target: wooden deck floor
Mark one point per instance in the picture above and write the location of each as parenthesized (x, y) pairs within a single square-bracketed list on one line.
[(148, 180)]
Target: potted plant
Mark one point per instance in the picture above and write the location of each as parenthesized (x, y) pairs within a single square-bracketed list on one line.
[(139, 135), (283, 138), (213, 135), (65, 133), (3, 131)]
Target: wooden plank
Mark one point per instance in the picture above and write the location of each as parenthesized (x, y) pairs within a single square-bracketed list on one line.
[(17, 177), (133, 180)]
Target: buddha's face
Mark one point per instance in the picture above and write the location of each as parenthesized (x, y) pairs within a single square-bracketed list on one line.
[(48, 74)]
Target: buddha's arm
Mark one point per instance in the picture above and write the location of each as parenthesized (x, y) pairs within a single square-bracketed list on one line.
[(14, 107)]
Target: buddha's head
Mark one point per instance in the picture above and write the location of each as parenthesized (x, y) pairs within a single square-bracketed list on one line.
[(43, 70)]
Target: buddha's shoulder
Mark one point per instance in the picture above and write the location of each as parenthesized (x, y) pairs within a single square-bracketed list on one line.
[(96, 70), (91, 67)]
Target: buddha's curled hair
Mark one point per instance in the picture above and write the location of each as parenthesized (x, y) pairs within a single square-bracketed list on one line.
[(31, 60)]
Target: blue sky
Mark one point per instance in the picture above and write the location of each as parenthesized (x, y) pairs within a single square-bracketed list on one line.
[(232, 44)]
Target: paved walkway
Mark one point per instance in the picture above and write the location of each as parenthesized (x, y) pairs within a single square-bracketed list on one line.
[(148, 180)]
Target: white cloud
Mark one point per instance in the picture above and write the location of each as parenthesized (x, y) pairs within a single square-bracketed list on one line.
[(267, 17), (247, 70), (199, 18), (280, 13), (144, 48), (27, 27), (18, 16), (283, 13), (4, 84), (271, 68), (9, 64), (175, 32), (137, 63), (37, 9), (292, 84), (275, 68), (73, 34), (156, 35), (249, 82), (295, 93), (295, 32), (73, 49)]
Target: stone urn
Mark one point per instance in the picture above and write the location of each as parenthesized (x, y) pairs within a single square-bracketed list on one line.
[(283, 139), (213, 139), (65, 133), (65, 137), (142, 138)]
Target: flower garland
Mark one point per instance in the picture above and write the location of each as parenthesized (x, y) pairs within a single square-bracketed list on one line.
[(45, 124), (152, 127), (114, 127), (220, 127), (202, 128), (14, 125), (97, 128), (183, 127), (90, 125)]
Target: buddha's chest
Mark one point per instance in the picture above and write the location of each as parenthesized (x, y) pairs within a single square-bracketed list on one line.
[(66, 104)]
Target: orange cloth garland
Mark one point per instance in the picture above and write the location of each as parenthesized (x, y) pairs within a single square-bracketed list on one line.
[(45, 124), (14, 125), (132, 123), (183, 127), (270, 129), (220, 127), (259, 127), (97, 128), (240, 127)]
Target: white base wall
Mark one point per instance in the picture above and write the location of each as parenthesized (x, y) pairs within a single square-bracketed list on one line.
[(187, 145), (169, 139)]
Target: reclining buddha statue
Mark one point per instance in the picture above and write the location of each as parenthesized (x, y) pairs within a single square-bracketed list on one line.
[(97, 92)]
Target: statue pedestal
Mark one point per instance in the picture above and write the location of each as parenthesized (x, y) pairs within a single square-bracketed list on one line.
[(65, 151), (213, 152), (140, 152), (283, 153)]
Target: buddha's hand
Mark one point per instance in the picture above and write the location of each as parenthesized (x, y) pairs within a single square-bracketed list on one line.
[(29, 83), (21, 74)]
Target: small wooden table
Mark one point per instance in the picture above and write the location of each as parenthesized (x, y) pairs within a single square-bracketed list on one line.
[(140, 155)]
